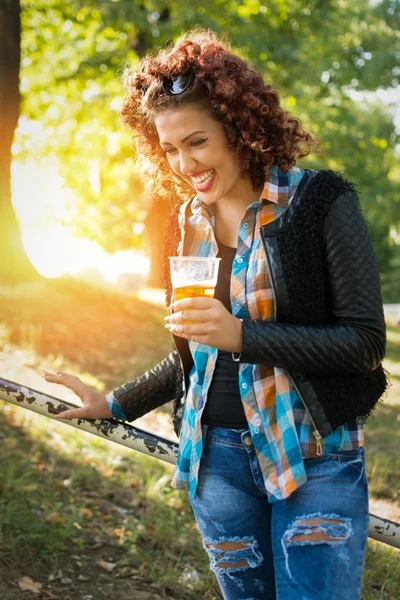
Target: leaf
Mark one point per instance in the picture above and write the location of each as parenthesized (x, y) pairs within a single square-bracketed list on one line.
[(107, 566), (55, 518), (141, 595), (97, 545), (54, 576), (27, 584), (85, 512)]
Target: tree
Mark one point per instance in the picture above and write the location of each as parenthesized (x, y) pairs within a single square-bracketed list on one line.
[(315, 54), (14, 263)]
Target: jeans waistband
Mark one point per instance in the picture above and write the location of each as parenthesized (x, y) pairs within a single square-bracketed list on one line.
[(238, 436)]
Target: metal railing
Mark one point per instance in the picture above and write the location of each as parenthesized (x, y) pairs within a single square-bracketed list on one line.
[(380, 529)]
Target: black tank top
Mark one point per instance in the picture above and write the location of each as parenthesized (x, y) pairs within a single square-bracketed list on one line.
[(224, 406)]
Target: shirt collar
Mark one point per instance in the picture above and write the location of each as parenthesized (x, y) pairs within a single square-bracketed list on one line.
[(278, 189)]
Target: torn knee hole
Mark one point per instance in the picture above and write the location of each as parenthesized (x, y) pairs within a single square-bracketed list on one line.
[(328, 529), (314, 534), (233, 554), (317, 521), (229, 546), (317, 537), (228, 565)]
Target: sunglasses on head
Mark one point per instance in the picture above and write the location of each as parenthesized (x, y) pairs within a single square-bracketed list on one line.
[(175, 85), (179, 84)]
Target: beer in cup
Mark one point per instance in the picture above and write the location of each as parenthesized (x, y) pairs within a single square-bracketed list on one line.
[(193, 276)]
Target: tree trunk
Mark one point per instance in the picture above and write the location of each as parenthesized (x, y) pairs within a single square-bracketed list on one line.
[(155, 232), (14, 263)]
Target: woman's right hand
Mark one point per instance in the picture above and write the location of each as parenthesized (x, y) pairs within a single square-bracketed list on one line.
[(94, 402)]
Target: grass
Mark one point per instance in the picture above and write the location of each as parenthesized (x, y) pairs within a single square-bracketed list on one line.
[(70, 500), (382, 432), (91, 520), (89, 328)]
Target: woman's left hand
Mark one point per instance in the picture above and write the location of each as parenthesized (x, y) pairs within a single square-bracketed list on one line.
[(205, 320)]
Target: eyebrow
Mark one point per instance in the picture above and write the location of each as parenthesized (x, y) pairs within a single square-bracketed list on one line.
[(185, 139)]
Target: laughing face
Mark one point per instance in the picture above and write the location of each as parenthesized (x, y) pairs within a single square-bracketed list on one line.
[(197, 151)]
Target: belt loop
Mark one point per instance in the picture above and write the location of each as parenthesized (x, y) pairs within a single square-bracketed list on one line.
[(204, 429), (247, 441)]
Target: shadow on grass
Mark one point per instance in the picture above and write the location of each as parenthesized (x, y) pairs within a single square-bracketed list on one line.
[(382, 439), (112, 526), (393, 342), (62, 513), (382, 572)]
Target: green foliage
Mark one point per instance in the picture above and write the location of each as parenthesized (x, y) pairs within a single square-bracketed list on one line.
[(317, 55), (72, 59)]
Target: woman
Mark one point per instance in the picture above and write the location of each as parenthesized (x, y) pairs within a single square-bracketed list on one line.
[(274, 377)]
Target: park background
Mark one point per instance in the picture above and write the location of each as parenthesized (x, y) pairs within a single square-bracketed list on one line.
[(80, 265)]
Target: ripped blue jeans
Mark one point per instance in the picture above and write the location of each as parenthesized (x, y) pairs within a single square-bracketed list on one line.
[(310, 546)]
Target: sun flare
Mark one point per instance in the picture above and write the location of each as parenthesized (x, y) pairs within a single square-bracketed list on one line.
[(42, 202)]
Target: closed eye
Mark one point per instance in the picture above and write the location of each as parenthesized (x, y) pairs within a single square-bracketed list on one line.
[(199, 142), (195, 143)]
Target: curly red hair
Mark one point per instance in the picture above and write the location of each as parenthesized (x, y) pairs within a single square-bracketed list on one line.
[(256, 126)]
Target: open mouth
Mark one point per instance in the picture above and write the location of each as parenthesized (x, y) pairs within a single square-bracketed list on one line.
[(204, 182)]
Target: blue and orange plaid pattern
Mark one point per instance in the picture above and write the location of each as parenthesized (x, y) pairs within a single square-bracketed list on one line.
[(278, 422)]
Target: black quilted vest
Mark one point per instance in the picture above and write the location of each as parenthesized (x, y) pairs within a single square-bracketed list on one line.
[(305, 272), (300, 245)]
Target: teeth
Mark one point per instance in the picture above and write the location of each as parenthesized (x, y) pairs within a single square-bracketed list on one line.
[(203, 178)]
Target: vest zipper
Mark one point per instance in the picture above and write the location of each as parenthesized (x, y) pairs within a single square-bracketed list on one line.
[(316, 433)]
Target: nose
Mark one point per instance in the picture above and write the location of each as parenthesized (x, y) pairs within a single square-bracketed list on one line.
[(186, 163)]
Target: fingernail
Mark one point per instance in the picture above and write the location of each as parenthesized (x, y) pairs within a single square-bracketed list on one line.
[(167, 318)]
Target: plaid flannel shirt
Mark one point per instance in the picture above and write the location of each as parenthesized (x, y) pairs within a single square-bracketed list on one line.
[(278, 422)]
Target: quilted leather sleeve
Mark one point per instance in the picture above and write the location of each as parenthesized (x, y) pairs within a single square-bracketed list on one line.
[(355, 341), (150, 390)]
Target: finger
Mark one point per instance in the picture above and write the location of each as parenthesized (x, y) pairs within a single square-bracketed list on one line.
[(52, 377), (186, 331), (198, 316), (201, 339), (200, 303), (56, 377), (75, 413), (72, 382)]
